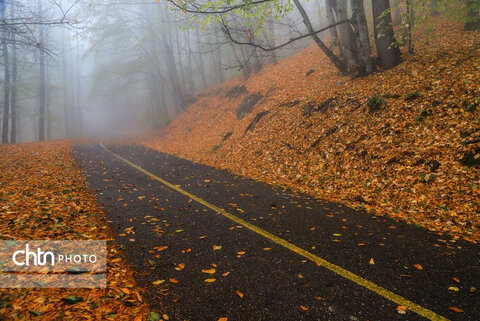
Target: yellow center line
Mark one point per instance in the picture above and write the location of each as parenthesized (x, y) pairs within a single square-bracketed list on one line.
[(424, 312)]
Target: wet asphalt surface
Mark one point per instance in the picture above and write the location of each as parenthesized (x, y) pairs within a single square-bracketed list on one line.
[(256, 279)]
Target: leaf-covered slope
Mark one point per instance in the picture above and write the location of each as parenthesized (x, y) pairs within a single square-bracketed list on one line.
[(401, 156)]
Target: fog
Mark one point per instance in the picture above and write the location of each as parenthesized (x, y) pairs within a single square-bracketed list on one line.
[(121, 68)]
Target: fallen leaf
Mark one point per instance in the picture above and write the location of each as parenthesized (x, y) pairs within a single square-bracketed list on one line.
[(455, 309), (210, 280), (157, 282), (418, 266), (180, 267), (240, 294), (210, 271), (216, 247), (402, 309), (372, 262), (173, 280), (304, 308)]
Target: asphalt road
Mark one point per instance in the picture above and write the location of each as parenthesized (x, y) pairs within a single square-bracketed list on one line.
[(295, 258)]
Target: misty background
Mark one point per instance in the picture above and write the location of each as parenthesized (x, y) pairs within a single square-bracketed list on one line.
[(118, 68), (122, 67)]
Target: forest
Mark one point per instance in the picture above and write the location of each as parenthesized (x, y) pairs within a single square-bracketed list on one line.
[(240, 160), (80, 68)]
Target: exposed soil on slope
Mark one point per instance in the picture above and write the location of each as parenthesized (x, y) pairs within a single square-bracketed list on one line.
[(415, 158)]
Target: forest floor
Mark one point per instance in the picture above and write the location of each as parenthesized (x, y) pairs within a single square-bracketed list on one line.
[(300, 125), (44, 195)]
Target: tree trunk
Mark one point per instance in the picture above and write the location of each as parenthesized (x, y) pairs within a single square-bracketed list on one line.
[(361, 34), (331, 21), (190, 79), (434, 8), (389, 54), (6, 85), (78, 107), (177, 92), (199, 61), (410, 22), (347, 39), (66, 113), (41, 46), (181, 70), (13, 101), (334, 59), (473, 15), (218, 51), (396, 14), (48, 115), (271, 40)]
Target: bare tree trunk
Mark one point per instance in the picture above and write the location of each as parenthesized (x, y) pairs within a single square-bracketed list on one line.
[(396, 14), (434, 8), (473, 17), (48, 115), (6, 85), (361, 34), (271, 40), (329, 5), (219, 70), (389, 54), (410, 22), (41, 116), (257, 63), (66, 113), (181, 70), (200, 64), (241, 65), (78, 106), (347, 39), (177, 92), (13, 101), (190, 79), (334, 59)]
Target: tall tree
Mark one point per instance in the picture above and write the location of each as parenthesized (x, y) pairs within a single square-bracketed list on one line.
[(42, 89), (330, 6), (271, 39), (359, 22), (78, 107), (6, 85), (66, 94), (389, 54), (348, 47), (306, 20), (13, 101), (409, 27), (473, 15)]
